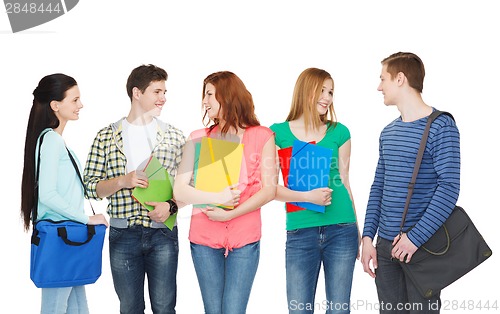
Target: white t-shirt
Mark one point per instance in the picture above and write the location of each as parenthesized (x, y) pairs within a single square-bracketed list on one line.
[(138, 142)]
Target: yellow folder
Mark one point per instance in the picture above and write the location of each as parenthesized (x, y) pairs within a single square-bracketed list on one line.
[(219, 165), (159, 187)]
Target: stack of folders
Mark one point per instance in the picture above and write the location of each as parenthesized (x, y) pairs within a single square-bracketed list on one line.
[(217, 166), (159, 187), (305, 167)]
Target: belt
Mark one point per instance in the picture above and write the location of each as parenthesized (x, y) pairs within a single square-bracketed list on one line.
[(122, 223)]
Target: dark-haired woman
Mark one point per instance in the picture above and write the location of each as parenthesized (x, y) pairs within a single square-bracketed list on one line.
[(56, 101)]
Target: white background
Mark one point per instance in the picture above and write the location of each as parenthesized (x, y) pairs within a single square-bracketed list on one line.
[(267, 44)]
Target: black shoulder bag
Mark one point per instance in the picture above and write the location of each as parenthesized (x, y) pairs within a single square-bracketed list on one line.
[(456, 248)]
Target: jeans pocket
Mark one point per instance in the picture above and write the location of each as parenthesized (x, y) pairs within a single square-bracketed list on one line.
[(346, 224), (171, 234), (115, 233), (292, 232)]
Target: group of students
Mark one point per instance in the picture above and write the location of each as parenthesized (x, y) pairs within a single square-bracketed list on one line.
[(225, 243)]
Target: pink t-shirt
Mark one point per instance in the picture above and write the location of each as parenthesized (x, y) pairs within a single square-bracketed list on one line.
[(244, 229)]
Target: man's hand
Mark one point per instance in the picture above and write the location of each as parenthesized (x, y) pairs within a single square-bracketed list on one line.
[(402, 248), (134, 179), (369, 254), (161, 211)]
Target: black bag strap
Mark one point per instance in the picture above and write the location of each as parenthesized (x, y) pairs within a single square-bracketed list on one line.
[(80, 177), (63, 233), (34, 211), (418, 161)]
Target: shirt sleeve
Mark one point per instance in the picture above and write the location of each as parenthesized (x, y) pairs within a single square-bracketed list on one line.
[(445, 150), (275, 128), (344, 134), (179, 142), (95, 167), (50, 155), (373, 209)]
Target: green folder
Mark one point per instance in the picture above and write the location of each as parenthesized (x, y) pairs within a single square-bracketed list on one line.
[(159, 188)]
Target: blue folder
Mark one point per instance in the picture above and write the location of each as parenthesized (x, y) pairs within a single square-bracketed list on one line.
[(309, 170)]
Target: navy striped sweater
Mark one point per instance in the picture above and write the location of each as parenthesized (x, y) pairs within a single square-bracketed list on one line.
[(437, 186)]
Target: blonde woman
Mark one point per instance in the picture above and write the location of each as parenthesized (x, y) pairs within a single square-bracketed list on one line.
[(315, 238)]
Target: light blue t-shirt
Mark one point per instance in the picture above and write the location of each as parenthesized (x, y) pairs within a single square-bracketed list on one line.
[(60, 192)]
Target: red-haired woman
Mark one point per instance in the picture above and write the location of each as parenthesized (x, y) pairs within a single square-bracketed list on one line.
[(225, 243)]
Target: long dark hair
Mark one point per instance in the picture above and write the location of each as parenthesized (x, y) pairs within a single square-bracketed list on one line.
[(51, 87)]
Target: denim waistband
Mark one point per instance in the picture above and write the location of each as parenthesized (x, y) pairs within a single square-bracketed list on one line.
[(123, 223)]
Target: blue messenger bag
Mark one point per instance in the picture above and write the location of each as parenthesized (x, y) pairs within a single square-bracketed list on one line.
[(64, 253)]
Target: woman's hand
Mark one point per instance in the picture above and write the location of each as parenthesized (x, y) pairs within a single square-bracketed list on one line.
[(320, 196), (230, 196), (217, 214), (98, 219)]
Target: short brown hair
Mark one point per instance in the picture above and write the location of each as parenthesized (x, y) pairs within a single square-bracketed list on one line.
[(143, 75), (410, 65)]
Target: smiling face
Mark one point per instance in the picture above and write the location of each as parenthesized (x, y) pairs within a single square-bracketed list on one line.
[(326, 97), (210, 103), (68, 108), (152, 100), (388, 86)]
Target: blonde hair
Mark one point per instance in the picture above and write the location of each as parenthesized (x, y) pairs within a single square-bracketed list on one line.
[(305, 97)]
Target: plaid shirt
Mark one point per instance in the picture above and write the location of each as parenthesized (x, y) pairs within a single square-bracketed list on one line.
[(107, 160)]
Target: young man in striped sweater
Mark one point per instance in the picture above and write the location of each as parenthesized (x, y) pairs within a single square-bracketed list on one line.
[(435, 193)]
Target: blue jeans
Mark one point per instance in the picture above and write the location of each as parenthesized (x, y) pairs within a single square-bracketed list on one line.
[(336, 246), (70, 300), (225, 282), (397, 294), (137, 251)]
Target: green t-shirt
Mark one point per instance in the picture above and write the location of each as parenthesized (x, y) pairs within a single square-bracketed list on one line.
[(341, 209)]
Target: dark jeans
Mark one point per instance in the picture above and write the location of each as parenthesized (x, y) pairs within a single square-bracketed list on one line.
[(396, 293), (136, 252)]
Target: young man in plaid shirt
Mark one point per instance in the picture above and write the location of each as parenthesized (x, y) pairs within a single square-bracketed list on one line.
[(139, 242)]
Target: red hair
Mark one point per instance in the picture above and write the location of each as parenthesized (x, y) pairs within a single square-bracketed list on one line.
[(236, 102)]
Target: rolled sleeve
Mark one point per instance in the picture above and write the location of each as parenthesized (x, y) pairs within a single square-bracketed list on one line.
[(95, 167)]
